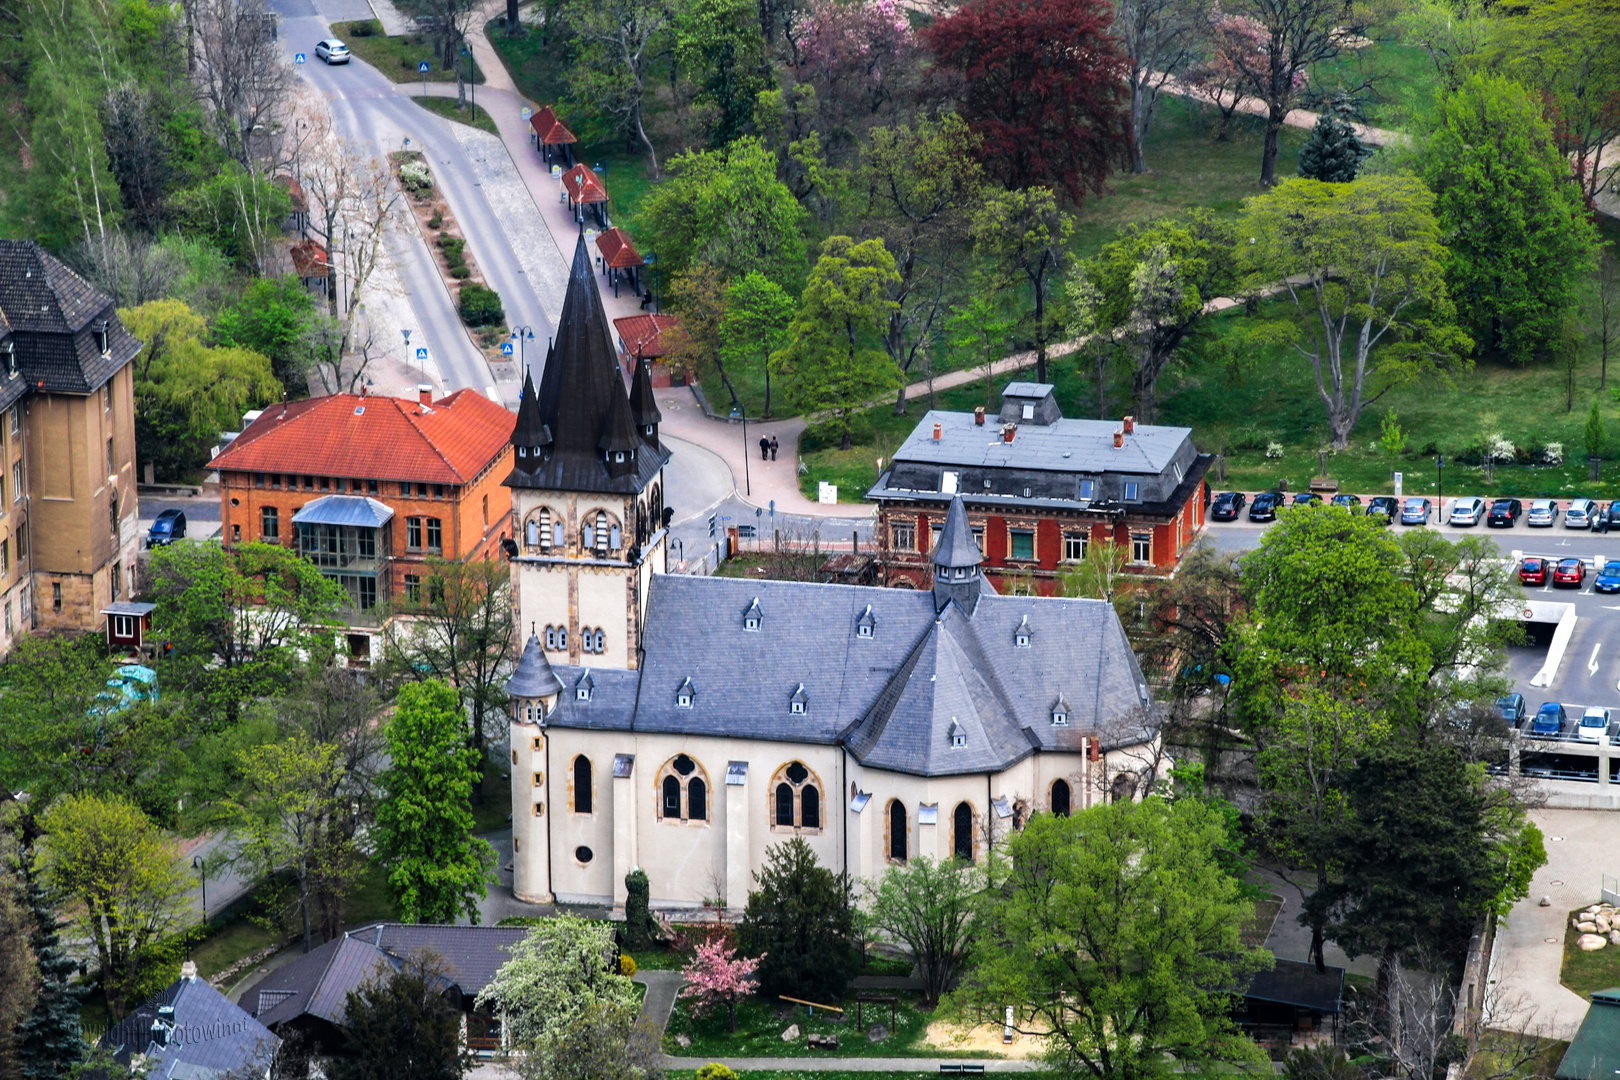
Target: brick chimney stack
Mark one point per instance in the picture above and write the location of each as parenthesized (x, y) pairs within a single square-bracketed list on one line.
[(1008, 431), (424, 393), (939, 432), (1130, 424), (1119, 439), (978, 415)]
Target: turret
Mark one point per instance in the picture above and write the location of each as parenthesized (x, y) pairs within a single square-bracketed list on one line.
[(533, 690), (956, 561)]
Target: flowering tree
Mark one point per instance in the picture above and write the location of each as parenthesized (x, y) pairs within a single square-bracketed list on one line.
[(861, 58), (1237, 45), (716, 976)]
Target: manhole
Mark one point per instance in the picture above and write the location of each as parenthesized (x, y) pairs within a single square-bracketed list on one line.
[(1557, 883), (1555, 838)]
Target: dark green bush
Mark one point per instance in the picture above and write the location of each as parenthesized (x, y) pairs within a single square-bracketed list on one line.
[(365, 28), (480, 305), (460, 272)]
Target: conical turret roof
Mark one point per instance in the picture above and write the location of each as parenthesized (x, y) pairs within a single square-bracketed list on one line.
[(956, 546), (530, 431), (643, 406), (533, 677)]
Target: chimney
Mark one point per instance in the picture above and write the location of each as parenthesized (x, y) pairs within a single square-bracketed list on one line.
[(1130, 424), (1119, 439), (362, 389), (1008, 431), (939, 430), (424, 393), (188, 970), (978, 415)]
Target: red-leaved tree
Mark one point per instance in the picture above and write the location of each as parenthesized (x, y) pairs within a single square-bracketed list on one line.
[(1043, 84), (716, 976)]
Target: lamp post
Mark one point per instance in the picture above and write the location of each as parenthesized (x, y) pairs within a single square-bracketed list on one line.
[(522, 335), (679, 545), (748, 483), (202, 872), (472, 87), (1440, 484)]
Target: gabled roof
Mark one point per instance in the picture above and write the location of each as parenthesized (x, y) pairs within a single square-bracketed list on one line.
[(646, 335), (54, 315), (550, 130), (617, 250), (583, 185), (1297, 983), (310, 259), (206, 1035), (295, 190), (359, 435)]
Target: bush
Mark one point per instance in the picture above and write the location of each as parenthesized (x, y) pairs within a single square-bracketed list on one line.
[(365, 28), (461, 272), (627, 965), (437, 220), (480, 305), (638, 924), (415, 176), (715, 1071)]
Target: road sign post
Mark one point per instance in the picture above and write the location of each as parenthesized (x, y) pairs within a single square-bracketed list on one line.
[(298, 58), (506, 348), (421, 359), (422, 69)]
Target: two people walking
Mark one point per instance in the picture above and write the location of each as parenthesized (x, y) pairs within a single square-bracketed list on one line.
[(767, 448)]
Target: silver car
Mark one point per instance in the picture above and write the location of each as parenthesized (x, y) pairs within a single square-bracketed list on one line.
[(1467, 510), (1581, 514), (1543, 512), (332, 51)]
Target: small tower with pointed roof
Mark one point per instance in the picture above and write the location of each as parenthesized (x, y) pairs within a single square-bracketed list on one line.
[(587, 490), (532, 691), (956, 562)]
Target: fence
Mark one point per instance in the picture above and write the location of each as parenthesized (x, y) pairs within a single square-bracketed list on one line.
[(1611, 890)]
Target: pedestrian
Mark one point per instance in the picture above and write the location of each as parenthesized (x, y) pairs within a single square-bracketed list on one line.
[(773, 447), (764, 448)]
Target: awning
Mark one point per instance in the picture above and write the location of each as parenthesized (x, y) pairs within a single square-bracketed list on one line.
[(129, 607), (357, 510)]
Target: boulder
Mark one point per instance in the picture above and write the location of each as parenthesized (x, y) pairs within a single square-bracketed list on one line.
[(1593, 910), (877, 1033), (683, 1041), (1590, 942), (792, 1033), (1586, 927), (1545, 901), (1614, 937), (1603, 923)]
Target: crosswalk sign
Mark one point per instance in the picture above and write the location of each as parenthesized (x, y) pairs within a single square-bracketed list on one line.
[(421, 354), (422, 67), (506, 348), (298, 58)]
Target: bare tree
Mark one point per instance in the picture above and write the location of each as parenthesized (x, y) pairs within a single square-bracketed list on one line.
[(446, 20), (242, 75), (618, 40), (1159, 38), (131, 269)]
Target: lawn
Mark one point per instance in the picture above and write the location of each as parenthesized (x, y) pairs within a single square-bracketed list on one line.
[(826, 1074), (760, 1025), (1584, 972), (398, 57), (446, 107)]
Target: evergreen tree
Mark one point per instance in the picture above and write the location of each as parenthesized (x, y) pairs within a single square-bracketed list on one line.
[(49, 1042), (801, 923), (1334, 152)]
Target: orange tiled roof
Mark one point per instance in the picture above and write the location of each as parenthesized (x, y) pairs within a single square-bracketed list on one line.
[(295, 191), (550, 130), (643, 335), (309, 260), (374, 437), (583, 185), (617, 250)]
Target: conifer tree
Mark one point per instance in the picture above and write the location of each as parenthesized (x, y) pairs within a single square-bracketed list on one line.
[(1333, 152), (49, 1042)]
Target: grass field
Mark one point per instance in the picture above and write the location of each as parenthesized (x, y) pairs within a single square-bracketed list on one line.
[(760, 1025), (446, 107), (1584, 972), (397, 57)]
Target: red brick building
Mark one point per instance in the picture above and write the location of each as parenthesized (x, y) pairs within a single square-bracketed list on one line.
[(369, 488), (1039, 490)]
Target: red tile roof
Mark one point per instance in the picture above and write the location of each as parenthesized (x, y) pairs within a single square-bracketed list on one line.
[(295, 191), (643, 335), (583, 185), (373, 437), (309, 260), (617, 250), (550, 130)]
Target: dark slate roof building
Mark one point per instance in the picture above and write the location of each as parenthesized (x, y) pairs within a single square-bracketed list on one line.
[(65, 334), (190, 1031), (1594, 1053)]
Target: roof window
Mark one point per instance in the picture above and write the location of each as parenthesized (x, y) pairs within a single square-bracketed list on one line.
[(958, 734), (799, 703), (1060, 712), (1022, 634), (583, 688), (685, 694), (753, 616), (866, 624)]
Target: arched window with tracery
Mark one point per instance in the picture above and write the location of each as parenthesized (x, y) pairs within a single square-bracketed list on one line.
[(1060, 798), (683, 790), (796, 801), (962, 832), (582, 784)]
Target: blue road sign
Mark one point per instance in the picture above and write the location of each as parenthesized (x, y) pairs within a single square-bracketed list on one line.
[(506, 348), (422, 67), (421, 354), (298, 58)]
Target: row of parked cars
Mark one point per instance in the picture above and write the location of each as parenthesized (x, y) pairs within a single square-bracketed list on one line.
[(1416, 510), (1536, 570), (1553, 717)]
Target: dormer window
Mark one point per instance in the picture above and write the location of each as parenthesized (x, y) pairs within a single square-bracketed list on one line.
[(1060, 712), (647, 430), (101, 337), (866, 625), (523, 451), (11, 358), (958, 734), (618, 457), (583, 688), (685, 694), (799, 703), (753, 616), (534, 451), (1023, 634), (1088, 489)]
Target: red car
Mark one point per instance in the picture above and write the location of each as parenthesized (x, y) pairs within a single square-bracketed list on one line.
[(1569, 572), (1533, 572)]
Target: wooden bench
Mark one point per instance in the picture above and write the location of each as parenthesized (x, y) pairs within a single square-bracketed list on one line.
[(1324, 485)]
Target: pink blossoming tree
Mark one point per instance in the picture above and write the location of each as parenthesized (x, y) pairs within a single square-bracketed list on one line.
[(716, 976)]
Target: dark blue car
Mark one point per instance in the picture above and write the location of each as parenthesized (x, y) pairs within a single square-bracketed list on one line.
[(1608, 578), (1549, 719)]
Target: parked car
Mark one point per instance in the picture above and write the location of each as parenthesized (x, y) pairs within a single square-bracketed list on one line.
[(1228, 505), (1415, 511), (1504, 513), (168, 527), (1533, 571), (1306, 498), (1384, 506), (1549, 719), (1351, 503), (1581, 514), (1613, 514), (332, 51), (1594, 724), (1608, 578), (1543, 512), (1512, 709), (1569, 572), (1467, 511), (1264, 507)]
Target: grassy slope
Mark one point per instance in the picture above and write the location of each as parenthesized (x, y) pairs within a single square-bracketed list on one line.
[(759, 1033), (1584, 972), (446, 107), (397, 57)]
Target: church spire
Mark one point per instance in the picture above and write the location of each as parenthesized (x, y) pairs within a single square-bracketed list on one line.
[(956, 561), (643, 406), (530, 435)]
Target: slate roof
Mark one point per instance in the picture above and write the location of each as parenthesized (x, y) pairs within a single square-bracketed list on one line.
[(890, 697), (54, 314), (533, 676), (209, 1034), (643, 402), (1079, 446), (1295, 982), (617, 250), (644, 335), (956, 547), (356, 510), (449, 442), (1594, 1053), (582, 404)]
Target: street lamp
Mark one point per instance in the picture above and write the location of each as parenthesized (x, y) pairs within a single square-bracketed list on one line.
[(1440, 483), (748, 483), (472, 87), (679, 545), (522, 335), (202, 871)]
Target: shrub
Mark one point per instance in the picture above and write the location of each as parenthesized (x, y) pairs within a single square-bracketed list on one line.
[(415, 176), (437, 220), (1500, 450), (627, 965), (715, 1071), (365, 28), (461, 272), (1552, 454), (1274, 449), (638, 924), (480, 305)]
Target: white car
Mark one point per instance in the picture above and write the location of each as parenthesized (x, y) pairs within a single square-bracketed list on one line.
[(1543, 512), (1594, 724), (1467, 510), (1581, 514), (332, 51)]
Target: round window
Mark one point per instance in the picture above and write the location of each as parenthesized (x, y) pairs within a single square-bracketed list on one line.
[(683, 765), (583, 853), (797, 773)]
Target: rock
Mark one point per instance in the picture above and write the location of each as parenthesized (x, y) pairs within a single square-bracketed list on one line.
[(792, 1033), (1602, 922), (1593, 910), (877, 1033), (1614, 937), (1590, 943), (683, 1041), (1545, 901), (1586, 927)]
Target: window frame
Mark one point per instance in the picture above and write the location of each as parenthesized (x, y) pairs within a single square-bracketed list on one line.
[(1142, 549), (1014, 534), (1082, 540)]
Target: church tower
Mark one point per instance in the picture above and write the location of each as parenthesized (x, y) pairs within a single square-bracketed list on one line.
[(532, 690), (956, 562), (587, 491)]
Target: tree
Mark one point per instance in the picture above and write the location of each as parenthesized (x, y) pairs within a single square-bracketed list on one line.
[(1235, 46), (449, 20), (1043, 84), (1361, 264), (122, 875), (605, 1040), (239, 212), (976, 332), (185, 392), (19, 971), (460, 633), (399, 1025), (758, 313), (1596, 436), (800, 923), (1289, 37), (1334, 152), (639, 925), (1160, 39), (1145, 294), (615, 44), (922, 186), (828, 362), (1115, 939), (271, 317), (242, 76), (1023, 234), (927, 906), (700, 297), (1603, 315), (564, 965), (238, 618), (1519, 241), (50, 1040), (717, 978), (436, 870), (720, 44), (132, 269), (858, 66)]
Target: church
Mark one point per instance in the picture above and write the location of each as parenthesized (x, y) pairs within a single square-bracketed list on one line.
[(684, 725)]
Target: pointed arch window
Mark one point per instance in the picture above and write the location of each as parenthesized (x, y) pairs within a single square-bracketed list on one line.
[(796, 802), (898, 824), (683, 790), (582, 784), (962, 831), (531, 533)]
